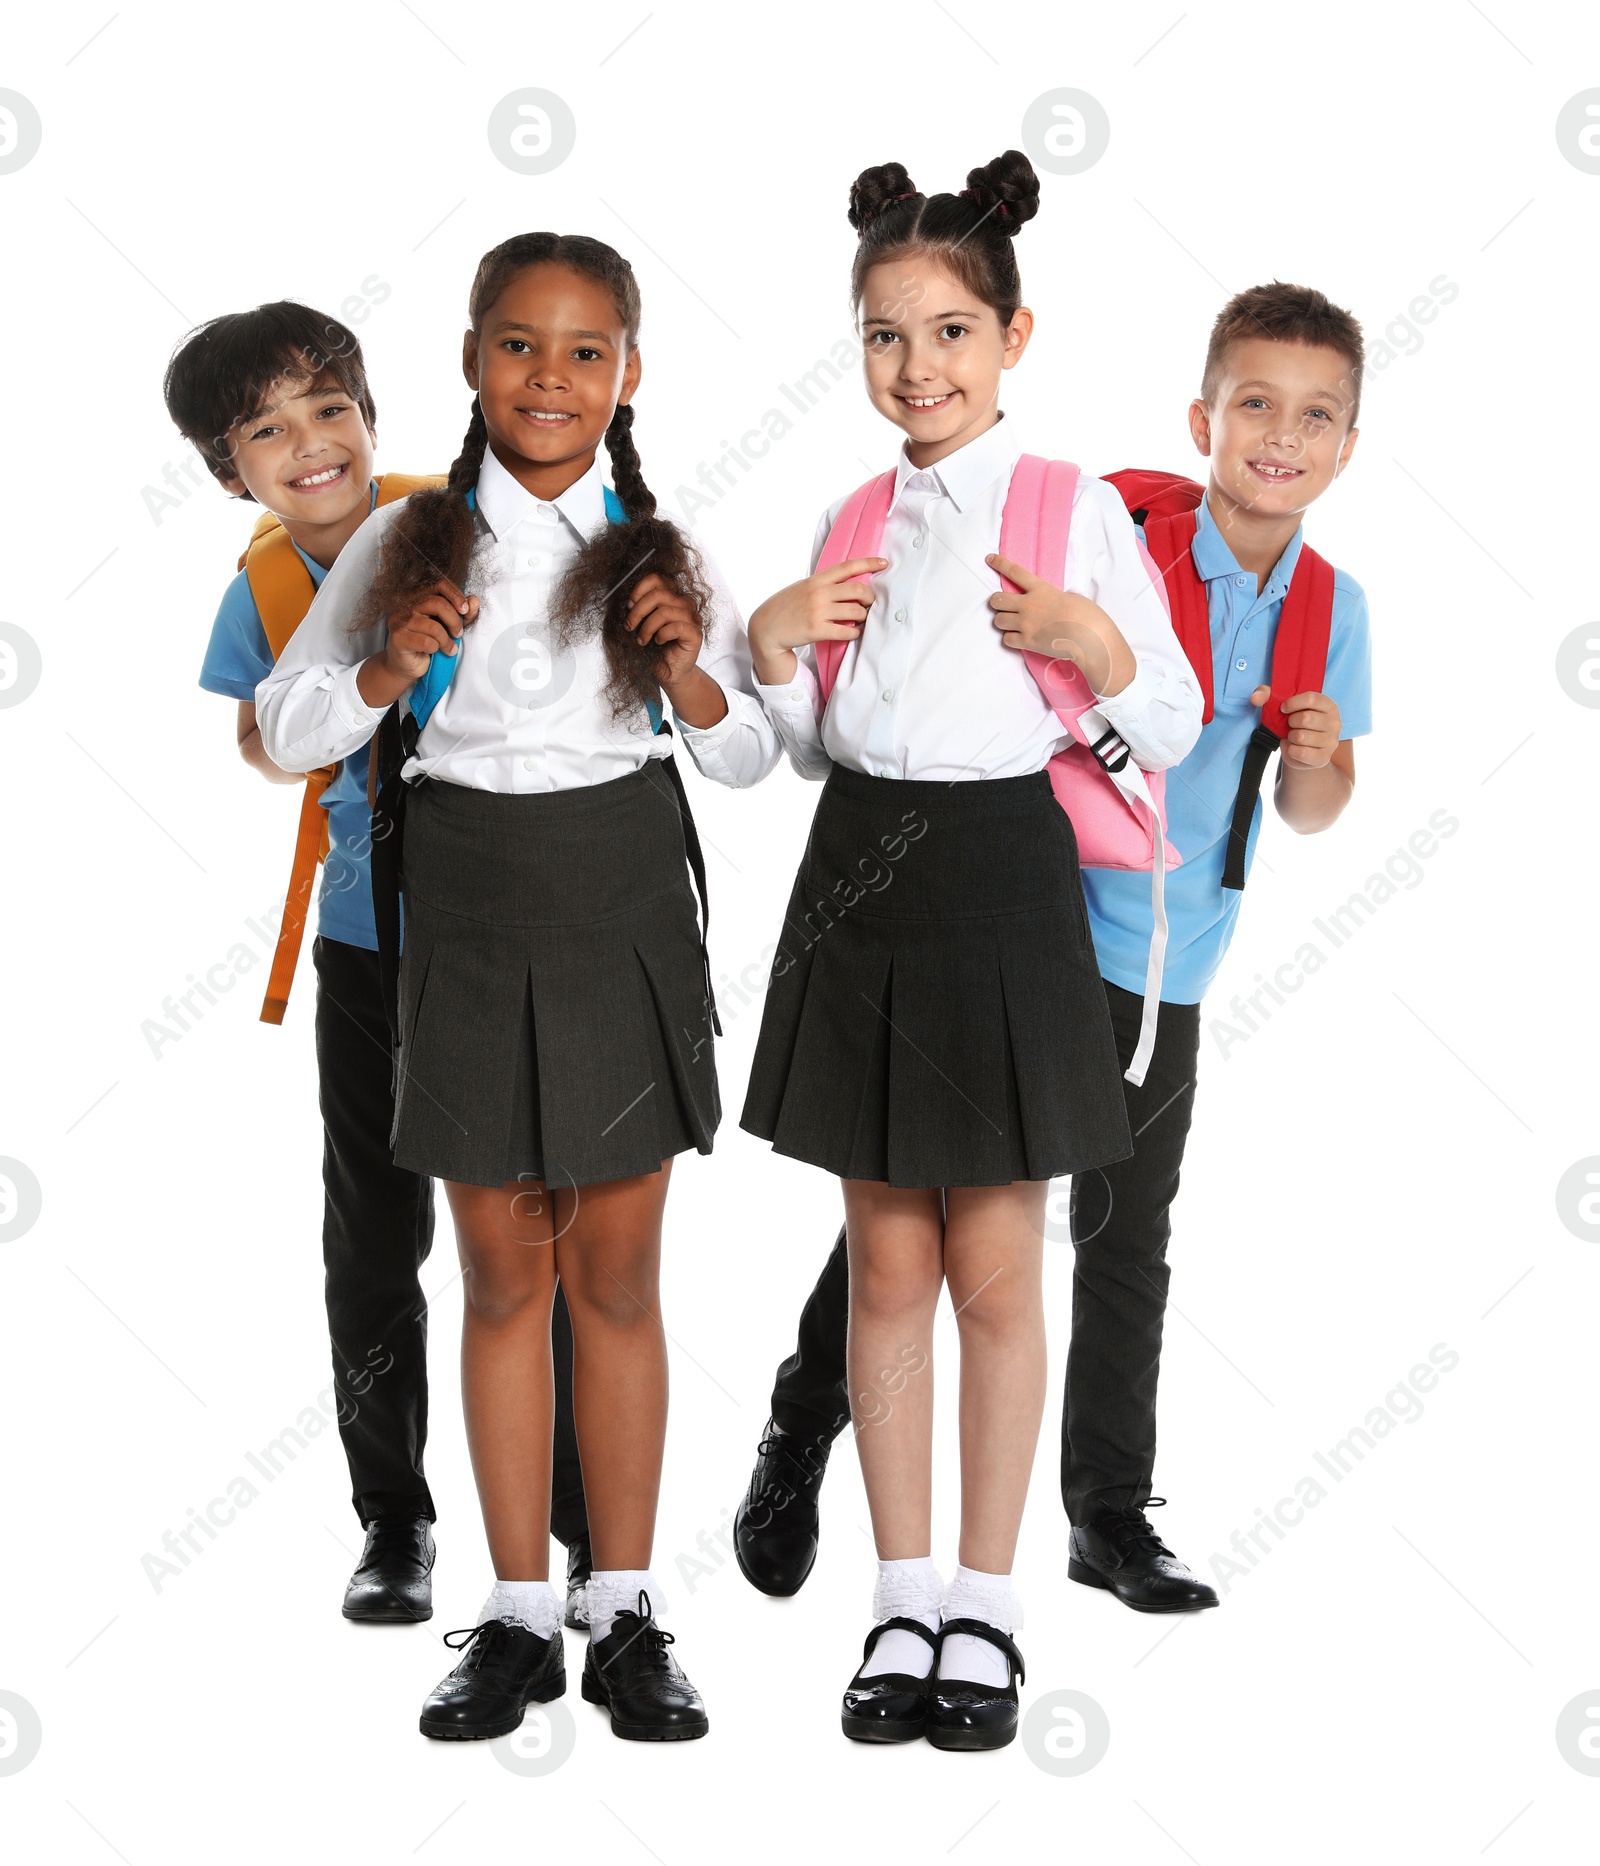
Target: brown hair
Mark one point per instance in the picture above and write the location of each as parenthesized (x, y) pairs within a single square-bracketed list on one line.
[(223, 371), (970, 232), (434, 534), (1284, 314)]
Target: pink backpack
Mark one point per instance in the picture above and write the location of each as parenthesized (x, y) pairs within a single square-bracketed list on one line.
[(1118, 811)]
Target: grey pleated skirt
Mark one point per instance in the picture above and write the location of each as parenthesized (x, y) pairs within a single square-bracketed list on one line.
[(554, 1020), (935, 1015)]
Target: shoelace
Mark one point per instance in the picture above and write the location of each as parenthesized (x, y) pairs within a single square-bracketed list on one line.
[(480, 1653), (1132, 1531), (775, 1446), (391, 1533), (656, 1638)]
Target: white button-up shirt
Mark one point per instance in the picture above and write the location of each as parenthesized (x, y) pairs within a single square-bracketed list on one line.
[(928, 690), (520, 713)]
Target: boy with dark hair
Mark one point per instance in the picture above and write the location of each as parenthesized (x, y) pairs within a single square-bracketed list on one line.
[(1276, 419), (277, 403)]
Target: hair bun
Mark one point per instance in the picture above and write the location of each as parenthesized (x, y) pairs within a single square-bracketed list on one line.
[(876, 189), (1005, 190)]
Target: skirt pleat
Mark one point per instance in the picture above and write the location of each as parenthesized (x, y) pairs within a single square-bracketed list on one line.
[(935, 1016), (553, 996)]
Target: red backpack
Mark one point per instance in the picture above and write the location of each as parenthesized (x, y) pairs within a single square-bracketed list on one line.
[(1165, 504)]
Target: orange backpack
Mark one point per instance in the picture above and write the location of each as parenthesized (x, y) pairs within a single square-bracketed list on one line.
[(282, 588)]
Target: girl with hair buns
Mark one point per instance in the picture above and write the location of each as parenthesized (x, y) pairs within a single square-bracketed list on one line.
[(935, 1030), (555, 1018)]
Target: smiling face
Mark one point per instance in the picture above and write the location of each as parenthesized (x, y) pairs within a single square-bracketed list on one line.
[(551, 361), (305, 455), (1277, 429), (934, 353)]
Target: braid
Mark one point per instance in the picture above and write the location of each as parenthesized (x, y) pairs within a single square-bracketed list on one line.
[(432, 537), (638, 501), (468, 464)]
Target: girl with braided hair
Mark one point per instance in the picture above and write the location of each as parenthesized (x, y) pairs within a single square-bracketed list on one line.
[(945, 1047), (554, 1012)]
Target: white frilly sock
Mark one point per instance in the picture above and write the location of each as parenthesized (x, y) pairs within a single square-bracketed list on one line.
[(533, 1604), (616, 1590), (974, 1595), (906, 1590)]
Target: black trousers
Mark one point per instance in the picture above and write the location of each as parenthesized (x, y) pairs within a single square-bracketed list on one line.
[(377, 1230), (1120, 1229)]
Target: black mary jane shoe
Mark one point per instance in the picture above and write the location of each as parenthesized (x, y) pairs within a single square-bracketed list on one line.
[(503, 1668), (966, 1715), (1120, 1551), (776, 1528), (631, 1674), (580, 1565), (890, 1707), (394, 1578)]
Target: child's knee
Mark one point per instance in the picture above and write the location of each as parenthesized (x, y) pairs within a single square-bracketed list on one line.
[(500, 1285), (1006, 1299), (612, 1299)]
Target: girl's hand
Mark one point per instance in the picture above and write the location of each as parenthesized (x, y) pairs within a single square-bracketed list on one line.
[(661, 616), (1037, 618), (435, 620), (829, 606), (1314, 724)]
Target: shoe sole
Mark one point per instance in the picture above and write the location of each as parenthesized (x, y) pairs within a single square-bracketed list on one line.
[(970, 1739), (1090, 1577), (642, 1732), (875, 1730), (482, 1732), (390, 1616)]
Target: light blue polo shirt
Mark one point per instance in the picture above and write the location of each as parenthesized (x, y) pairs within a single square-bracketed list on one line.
[(237, 660), (1201, 913)]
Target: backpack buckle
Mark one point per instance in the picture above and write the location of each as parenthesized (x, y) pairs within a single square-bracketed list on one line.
[(1111, 749)]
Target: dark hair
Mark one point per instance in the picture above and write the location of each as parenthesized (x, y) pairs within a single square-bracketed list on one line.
[(1285, 314), (433, 535), (971, 232), (222, 372)]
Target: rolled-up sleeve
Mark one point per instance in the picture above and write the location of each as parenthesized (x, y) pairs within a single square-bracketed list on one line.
[(1158, 712), (742, 747), (308, 708)]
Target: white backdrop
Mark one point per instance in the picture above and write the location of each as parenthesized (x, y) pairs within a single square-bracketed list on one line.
[(1383, 1170)]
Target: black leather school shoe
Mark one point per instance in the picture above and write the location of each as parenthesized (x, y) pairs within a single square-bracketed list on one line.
[(893, 1706), (776, 1529), (965, 1715), (394, 1578), (631, 1674), (1120, 1552), (580, 1565), (503, 1668)]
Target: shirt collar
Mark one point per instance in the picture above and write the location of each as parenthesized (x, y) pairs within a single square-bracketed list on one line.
[(964, 475), (505, 502), (1213, 558)]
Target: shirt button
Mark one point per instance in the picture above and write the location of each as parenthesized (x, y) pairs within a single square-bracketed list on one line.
[(1240, 581), (527, 764), (916, 542), (1240, 665), (888, 693), (536, 560), (899, 615)]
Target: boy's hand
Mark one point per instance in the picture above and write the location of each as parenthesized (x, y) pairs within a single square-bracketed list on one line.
[(1313, 722), (829, 606), (663, 617), (1037, 618), (434, 621)]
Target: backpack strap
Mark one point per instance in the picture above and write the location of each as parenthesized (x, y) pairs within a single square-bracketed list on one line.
[(857, 532), (1034, 531), (1299, 665), (1169, 542)]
